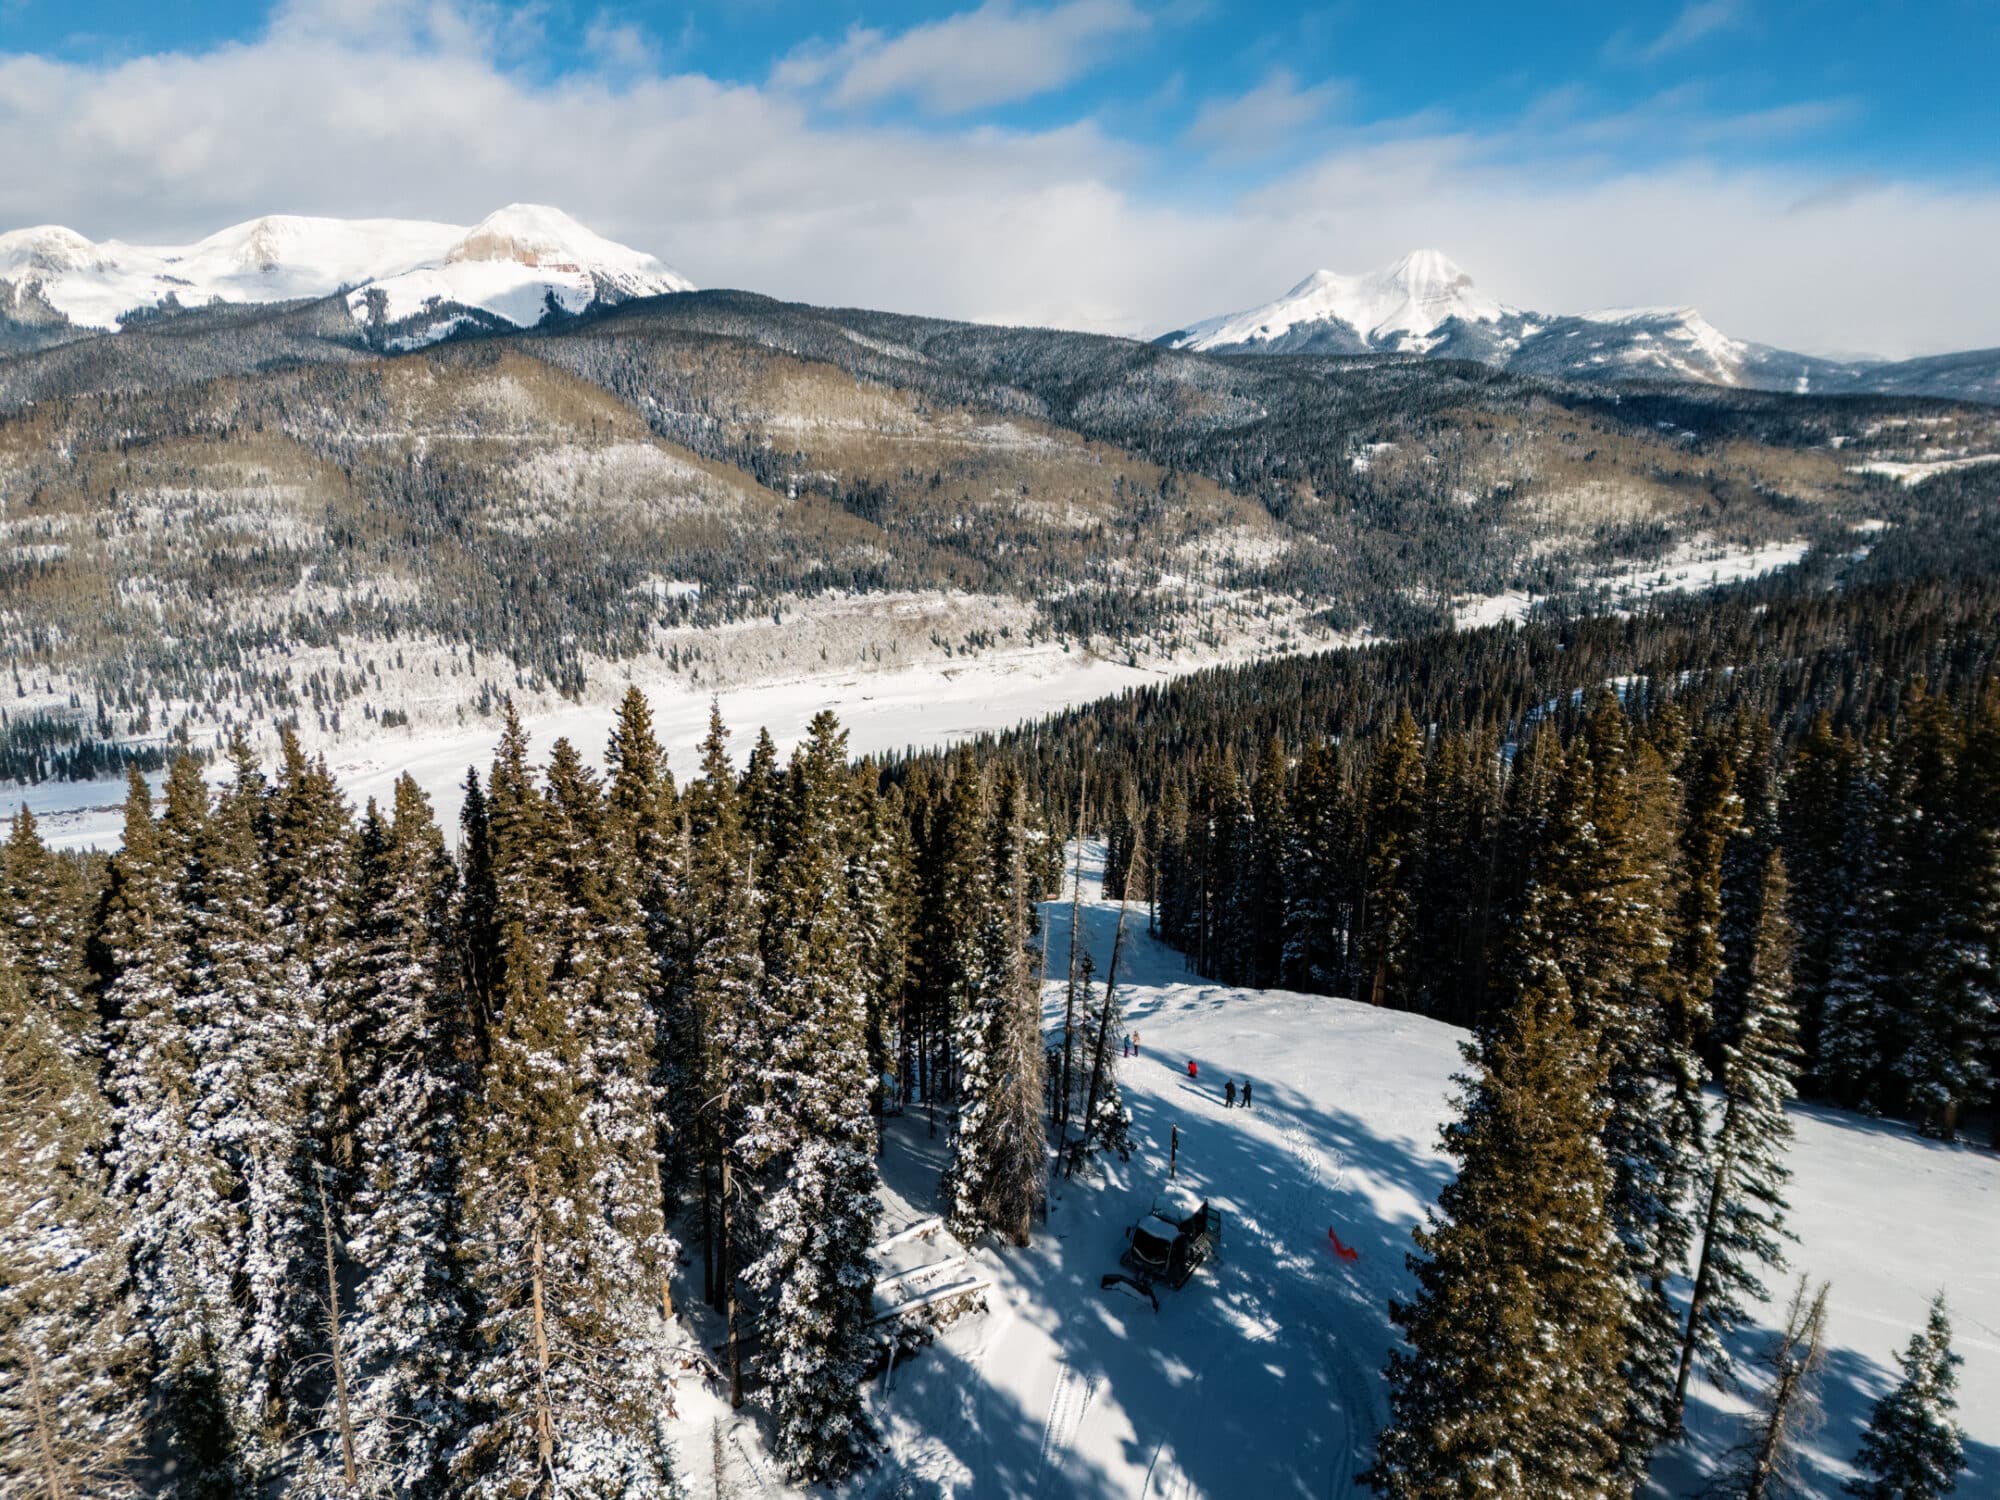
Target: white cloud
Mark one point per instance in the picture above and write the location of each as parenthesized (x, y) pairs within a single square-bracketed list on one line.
[(1264, 119), (749, 186), (619, 46), (1697, 22), (973, 60)]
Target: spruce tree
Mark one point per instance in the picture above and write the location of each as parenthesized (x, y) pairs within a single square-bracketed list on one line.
[(810, 1132), (1763, 1466), (72, 1366), (725, 980), (567, 1386), (176, 1185), (1609, 908), (1509, 1382), (999, 1150), (41, 915), (260, 1046), (1263, 890), (1913, 1448), (1742, 1226), (1394, 833), (410, 1323)]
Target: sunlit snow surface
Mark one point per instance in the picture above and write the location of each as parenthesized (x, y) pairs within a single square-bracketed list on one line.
[(1262, 1377)]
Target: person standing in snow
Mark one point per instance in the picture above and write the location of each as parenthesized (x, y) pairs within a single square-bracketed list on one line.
[(1246, 1093), (1135, 1044), (1193, 1071), (1229, 1094)]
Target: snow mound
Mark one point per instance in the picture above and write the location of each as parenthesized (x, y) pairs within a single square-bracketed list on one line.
[(1399, 306), (514, 265)]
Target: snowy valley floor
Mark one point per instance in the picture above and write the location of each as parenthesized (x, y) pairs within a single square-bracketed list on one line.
[(1263, 1376)]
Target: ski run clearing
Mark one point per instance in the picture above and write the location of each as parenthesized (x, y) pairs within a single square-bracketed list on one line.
[(1262, 1378)]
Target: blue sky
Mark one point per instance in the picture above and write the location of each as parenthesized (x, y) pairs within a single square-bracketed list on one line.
[(1810, 172)]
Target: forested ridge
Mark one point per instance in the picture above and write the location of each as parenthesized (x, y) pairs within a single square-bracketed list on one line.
[(247, 517)]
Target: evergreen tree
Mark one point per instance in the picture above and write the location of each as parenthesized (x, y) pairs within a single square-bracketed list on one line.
[(1610, 904), (71, 1363), (810, 1131), (1394, 834), (1262, 891), (1743, 1221), (1817, 809), (999, 1151), (567, 1385), (259, 1047), (1509, 1380), (1913, 1448), (726, 975), (177, 1187), (41, 912), (411, 1315)]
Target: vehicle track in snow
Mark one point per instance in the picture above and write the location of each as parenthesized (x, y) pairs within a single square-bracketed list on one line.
[(1067, 1404)]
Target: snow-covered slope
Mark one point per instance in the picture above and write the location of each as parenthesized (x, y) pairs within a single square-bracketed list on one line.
[(512, 265), (1263, 1376), (1399, 307), (508, 266)]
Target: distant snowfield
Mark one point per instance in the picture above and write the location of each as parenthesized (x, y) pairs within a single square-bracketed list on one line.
[(1263, 1376), (1917, 471), (1694, 565), (923, 706)]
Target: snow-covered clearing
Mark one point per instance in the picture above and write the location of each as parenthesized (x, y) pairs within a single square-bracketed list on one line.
[(932, 704), (1917, 471), (1695, 564), (1263, 1376)]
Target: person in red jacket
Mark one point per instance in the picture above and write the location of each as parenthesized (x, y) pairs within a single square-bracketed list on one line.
[(1193, 1072)]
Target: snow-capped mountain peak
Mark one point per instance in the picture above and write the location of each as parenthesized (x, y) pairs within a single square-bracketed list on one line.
[(512, 266), (1400, 306), (46, 250), (507, 267)]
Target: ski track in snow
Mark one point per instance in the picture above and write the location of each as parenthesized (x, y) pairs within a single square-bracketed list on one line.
[(1068, 1404)]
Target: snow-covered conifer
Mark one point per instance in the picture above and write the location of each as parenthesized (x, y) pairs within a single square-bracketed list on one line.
[(1913, 1448), (1742, 1184), (1509, 1382), (41, 911), (72, 1365), (810, 1129)]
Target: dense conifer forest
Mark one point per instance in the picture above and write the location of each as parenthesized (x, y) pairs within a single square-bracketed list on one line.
[(351, 1165)]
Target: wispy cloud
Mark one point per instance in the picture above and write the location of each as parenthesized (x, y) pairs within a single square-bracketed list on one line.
[(974, 60), (1264, 120), (1696, 22), (620, 46)]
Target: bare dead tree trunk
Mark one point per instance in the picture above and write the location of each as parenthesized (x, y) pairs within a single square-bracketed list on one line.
[(44, 1430), (1794, 1364), (728, 1262), (545, 1425), (342, 1411), (1703, 1289)]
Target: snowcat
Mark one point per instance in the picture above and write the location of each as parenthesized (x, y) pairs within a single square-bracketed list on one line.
[(1172, 1241)]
